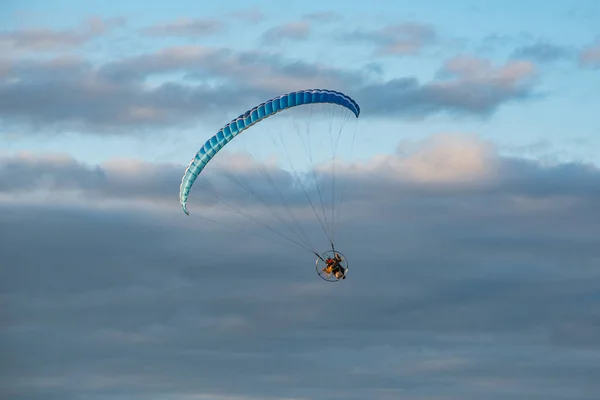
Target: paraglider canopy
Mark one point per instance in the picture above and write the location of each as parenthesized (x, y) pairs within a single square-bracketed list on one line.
[(327, 273), (250, 118)]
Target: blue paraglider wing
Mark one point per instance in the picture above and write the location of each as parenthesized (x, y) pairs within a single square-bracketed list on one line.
[(251, 117)]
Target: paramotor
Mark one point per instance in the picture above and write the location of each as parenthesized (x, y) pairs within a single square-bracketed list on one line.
[(342, 107)]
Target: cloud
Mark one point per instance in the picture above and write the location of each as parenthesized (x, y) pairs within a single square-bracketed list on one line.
[(299, 30), (187, 27), (120, 96), (456, 285), (323, 16), (543, 52), (116, 97), (261, 70), (441, 164), (449, 158), (466, 86), (96, 103), (590, 56), (45, 39), (27, 175), (400, 39), (252, 15)]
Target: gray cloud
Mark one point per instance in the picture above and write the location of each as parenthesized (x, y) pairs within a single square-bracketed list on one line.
[(298, 30), (46, 39), (187, 27), (103, 103), (261, 70), (467, 86), (117, 97), (543, 52), (28, 173), (400, 39), (472, 275)]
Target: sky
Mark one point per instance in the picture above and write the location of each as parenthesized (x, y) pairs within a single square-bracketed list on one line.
[(466, 197)]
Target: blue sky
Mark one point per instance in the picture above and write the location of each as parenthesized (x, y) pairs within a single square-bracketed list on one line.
[(470, 219)]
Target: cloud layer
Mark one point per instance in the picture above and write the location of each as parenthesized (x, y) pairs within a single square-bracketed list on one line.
[(174, 86), (118, 96), (472, 275)]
